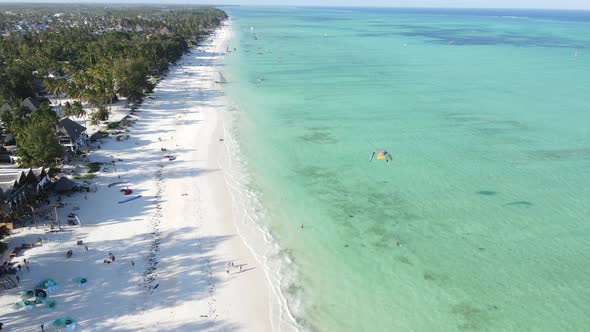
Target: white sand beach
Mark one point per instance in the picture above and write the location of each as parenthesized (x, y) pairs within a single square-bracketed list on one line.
[(172, 246)]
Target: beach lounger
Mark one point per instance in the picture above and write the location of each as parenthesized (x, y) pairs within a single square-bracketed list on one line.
[(14, 252)]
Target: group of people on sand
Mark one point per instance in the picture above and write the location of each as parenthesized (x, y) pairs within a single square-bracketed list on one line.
[(231, 265), (20, 267), (111, 258)]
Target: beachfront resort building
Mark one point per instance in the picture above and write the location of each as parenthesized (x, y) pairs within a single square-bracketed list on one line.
[(18, 186), (28, 106), (71, 134)]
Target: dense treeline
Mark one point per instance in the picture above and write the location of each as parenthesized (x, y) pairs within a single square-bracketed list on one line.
[(91, 54), (97, 60)]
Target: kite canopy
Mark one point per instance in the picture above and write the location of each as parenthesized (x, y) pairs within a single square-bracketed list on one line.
[(381, 154)]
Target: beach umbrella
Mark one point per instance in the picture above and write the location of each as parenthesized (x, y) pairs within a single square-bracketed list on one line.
[(62, 322), (46, 283), (82, 281), (40, 293), (49, 284), (381, 154), (50, 305), (23, 303), (26, 304), (27, 294)]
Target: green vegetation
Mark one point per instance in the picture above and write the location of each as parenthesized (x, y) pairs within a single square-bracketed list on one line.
[(113, 125), (92, 54), (93, 167), (36, 136), (84, 176), (74, 109), (4, 232), (114, 51)]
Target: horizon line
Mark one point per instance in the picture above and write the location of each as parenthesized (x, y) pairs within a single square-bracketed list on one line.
[(188, 3)]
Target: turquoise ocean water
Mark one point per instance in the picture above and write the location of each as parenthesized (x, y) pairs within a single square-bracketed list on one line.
[(481, 222)]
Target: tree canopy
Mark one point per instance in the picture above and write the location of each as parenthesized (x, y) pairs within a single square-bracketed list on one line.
[(37, 140), (101, 51), (90, 53)]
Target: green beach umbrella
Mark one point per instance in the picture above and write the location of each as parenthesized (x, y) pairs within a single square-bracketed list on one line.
[(67, 322), (46, 283), (27, 294), (26, 304), (23, 303), (49, 284), (82, 281), (50, 305)]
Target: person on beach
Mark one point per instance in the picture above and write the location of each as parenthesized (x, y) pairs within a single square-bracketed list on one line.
[(25, 261), (132, 263), (113, 258), (19, 267), (226, 271), (86, 247), (1, 325), (42, 327), (240, 268), (17, 279)]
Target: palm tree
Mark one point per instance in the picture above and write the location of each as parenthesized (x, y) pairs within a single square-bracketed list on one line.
[(79, 111), (68, 109), (56, 86)]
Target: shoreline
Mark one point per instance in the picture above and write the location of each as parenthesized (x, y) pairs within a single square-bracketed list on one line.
[(173, 245), (246, 209)]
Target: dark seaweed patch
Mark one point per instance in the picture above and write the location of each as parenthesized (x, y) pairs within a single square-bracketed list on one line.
[(404, 260), (377, 211), (522, 203), (478, 36), (319, 137), (437, 278), (472, 317), (561, 154), (487, 192)]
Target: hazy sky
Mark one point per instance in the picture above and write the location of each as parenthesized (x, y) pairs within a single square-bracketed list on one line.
[(560, 4)]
